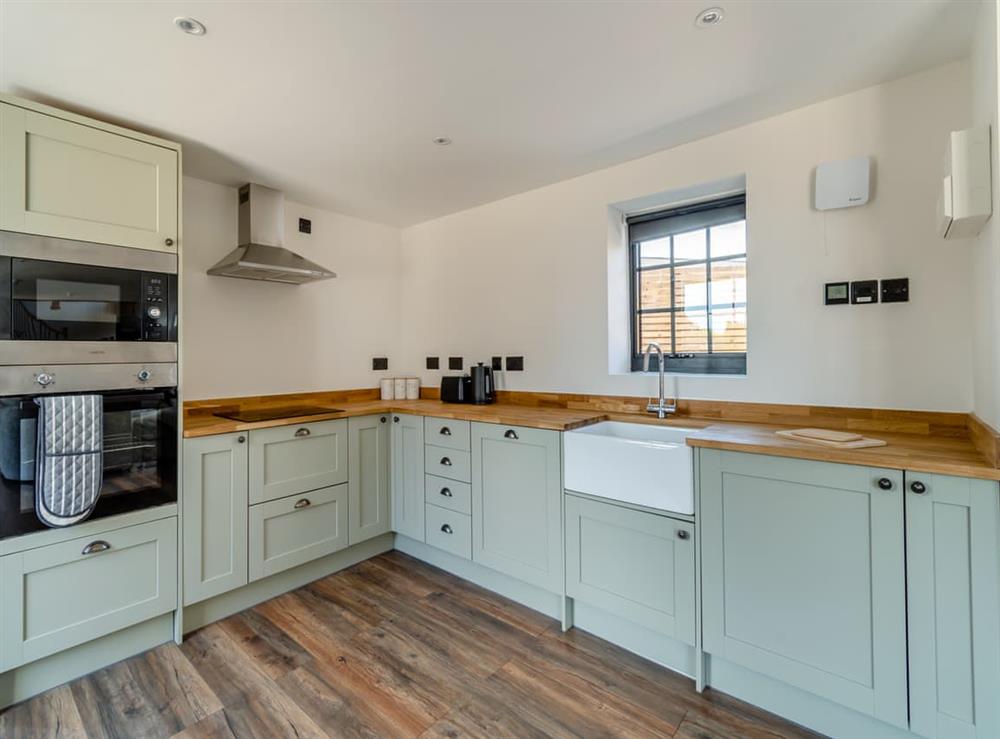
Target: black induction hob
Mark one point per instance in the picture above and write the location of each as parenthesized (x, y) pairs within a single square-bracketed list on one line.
[(273, 414)]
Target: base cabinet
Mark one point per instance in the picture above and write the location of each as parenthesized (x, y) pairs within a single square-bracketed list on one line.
[(214, 515), (804, 578), (369, 509), (58, 596), (517, 503), (292, 531), (408, 475), (634, 564), (953, 579)]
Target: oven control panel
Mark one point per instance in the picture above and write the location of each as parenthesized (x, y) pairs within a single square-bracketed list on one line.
[(155, 297)]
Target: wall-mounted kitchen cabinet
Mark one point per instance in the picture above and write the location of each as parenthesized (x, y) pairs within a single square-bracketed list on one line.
[(803, 576), (214, 515), (516, 503), (634, 564), (408, 475), (88, 182), (953, 599), (369, 510), (289, 460)]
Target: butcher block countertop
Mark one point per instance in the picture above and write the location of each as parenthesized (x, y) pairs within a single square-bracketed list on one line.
[(950, 451)]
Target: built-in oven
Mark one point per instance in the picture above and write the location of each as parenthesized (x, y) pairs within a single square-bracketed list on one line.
[(139, 455), (77, 302)]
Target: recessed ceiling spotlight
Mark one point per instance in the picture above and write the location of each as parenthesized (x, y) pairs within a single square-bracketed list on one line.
[(190, 25), (709, 17), (441, 140)]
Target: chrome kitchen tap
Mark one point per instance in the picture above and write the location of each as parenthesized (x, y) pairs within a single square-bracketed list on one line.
[(661, 408)]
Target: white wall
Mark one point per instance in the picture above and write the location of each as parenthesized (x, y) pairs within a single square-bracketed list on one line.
[(528, 274), (243, 337), (986, 249)]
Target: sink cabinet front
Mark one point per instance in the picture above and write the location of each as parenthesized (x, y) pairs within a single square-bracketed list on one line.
[(804, 576), (516, 503)]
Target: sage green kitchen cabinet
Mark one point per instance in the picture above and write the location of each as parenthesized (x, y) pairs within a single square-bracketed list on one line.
[(408, 475), (368, 509), (803, 576), (516, 503), (214, 515), (953, 579), (69, 180), (631, 563), (289, 460), (291, 531), (58, 596)]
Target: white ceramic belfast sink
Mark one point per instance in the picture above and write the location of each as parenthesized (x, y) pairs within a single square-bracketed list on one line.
[(636, 463)]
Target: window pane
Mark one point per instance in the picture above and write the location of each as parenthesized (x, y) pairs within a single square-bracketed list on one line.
[(654, 327), (729, 239), (690, 286), (689, 246), (729, 330), (692, 331), (654, 288), (729, 282), (654, 252)]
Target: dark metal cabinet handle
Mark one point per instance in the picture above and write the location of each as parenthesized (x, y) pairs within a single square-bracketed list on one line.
[(510, 434), (446, 462), (395, 419), (304, 503), (382, 419), (241, 439), (445, 431), (447, 493), (96, 546), (303, 432), (885, 483), (682, 534), (447, 529), (918, 487), (168, 242)]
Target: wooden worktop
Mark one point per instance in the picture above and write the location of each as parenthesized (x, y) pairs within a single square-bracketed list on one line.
[(933, 443)]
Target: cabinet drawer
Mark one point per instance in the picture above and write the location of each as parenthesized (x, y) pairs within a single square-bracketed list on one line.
[(289, 460), (450, 494), (56, 597), (450, 463), (447, 432), (449, 531), (292, 531)]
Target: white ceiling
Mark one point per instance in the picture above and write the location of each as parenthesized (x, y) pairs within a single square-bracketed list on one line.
[(337, 103)]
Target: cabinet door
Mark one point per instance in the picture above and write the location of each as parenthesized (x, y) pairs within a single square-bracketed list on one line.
[(408, 475), (803, 576), (634, 564), (292, 531), (952, 580), (58, 596), (65, 179), (214, 515), (516, 503), (289, 460), (368, 462)]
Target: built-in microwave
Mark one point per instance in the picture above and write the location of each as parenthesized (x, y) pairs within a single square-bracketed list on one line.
[(55, 293)]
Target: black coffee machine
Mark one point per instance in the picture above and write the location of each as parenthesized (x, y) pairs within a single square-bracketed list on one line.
[(476, 388)]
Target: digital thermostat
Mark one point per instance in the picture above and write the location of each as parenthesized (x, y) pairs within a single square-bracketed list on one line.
[(836, 293)]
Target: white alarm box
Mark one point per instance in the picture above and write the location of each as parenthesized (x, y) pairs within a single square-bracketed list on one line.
[(966, 200), (843, 184)]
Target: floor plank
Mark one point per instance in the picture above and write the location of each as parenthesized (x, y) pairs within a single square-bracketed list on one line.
[(391, 647)]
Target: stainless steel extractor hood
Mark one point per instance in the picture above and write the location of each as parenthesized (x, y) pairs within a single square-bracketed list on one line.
[(260, 254)]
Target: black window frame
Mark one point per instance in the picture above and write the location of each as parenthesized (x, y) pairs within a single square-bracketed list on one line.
[(708, 363)]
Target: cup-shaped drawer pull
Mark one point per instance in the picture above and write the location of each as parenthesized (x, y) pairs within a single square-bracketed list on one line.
[(447, 529), (447, 493), (510, 434), (303, 432), (445, 462), (96, 546), (445, 431), (304, 503)]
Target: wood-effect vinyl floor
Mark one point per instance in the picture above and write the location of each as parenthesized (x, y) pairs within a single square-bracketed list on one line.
[(388, 648)]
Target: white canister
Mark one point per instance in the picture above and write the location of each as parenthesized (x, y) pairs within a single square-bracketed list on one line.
[(386, 389), (413, 388), (399, 388)]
